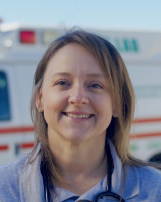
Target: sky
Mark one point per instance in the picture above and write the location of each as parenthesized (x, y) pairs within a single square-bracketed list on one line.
[(129, 14)]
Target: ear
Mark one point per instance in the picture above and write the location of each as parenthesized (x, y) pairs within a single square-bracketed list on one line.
[(39, 103), (115, 114)]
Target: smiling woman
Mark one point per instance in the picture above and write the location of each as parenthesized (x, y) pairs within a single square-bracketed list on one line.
[(82, 108), (77, 107)]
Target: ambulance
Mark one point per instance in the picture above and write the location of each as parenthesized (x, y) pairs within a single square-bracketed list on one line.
[(22, 46)]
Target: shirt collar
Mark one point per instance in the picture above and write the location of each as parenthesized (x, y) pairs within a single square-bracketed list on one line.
[(131, 185), (63, 195), (31, 181)]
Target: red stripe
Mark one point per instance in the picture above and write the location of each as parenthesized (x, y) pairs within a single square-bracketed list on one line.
[(31, 128), (16, 130), (148, 120), (26, 145), (133, 136), (145, 135), (4, 147)]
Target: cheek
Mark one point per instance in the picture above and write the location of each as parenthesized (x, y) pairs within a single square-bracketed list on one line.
[(51, 110), (106, 108), (104, 104), (53, 101)]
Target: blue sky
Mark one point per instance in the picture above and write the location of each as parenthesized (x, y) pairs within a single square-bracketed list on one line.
[(132, 14)]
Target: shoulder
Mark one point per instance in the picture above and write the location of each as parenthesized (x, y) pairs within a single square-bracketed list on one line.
[(12, 170), (150, 180), (149, 173), (9, 179)]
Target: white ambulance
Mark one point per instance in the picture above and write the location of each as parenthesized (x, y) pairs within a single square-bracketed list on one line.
[(21, 47)]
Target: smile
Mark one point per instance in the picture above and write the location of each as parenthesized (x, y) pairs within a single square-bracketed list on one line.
[(80, 116)]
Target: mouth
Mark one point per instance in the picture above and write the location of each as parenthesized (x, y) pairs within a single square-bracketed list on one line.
[(80, 116)]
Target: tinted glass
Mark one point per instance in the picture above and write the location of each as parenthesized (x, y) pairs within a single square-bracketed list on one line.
[(4, 98)]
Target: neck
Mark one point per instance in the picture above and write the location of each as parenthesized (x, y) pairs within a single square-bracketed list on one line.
[(79, 161)]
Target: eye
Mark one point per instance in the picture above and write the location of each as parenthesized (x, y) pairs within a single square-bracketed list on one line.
[(96, 85), (61, 83)]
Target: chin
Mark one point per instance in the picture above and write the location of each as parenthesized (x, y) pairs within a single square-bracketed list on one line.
[(76, 139)]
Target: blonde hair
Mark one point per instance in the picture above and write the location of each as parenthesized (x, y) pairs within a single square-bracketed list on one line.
[(122, 91)]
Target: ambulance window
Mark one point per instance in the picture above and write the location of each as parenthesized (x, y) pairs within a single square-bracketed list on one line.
[(4, 98)]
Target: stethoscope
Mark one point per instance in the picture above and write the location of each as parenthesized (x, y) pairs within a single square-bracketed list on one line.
[(108, 193)]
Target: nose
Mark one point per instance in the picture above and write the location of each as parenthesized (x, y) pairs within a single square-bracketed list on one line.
[(78, 96)]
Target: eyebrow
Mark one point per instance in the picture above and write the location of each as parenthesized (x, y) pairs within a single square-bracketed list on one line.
[(96, 75)]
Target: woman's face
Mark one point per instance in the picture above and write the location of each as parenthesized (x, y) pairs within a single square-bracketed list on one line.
[(75, 96)]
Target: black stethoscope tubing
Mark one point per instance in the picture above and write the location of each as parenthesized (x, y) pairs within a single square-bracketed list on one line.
[(45, 181), (99, 196)]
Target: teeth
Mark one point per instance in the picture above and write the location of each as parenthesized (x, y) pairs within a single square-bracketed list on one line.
[(78, 116), (74, 116)]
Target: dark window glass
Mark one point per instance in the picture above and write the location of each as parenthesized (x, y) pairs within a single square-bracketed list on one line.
[(4, 98)]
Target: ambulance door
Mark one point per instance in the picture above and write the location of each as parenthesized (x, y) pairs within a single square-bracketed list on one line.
[(10, 119), (25, 75)]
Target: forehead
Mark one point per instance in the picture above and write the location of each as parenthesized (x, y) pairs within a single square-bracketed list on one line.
[(74, 58)]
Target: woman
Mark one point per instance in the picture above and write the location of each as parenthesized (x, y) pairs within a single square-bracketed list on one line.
[(82, 107)]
